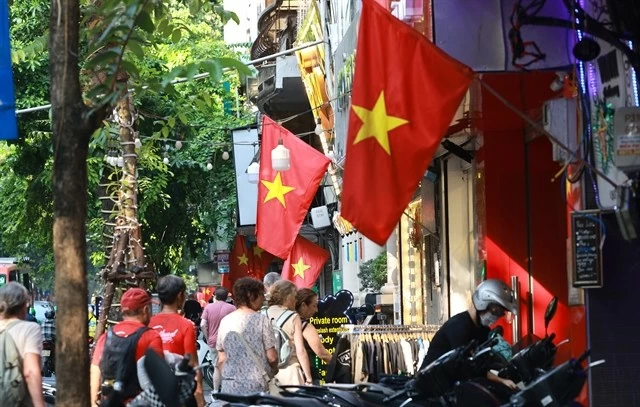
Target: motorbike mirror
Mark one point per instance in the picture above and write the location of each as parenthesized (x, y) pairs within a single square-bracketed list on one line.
[(550, 312)]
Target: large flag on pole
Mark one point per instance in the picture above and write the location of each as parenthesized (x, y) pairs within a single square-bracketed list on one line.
[(284, 196), (405, 94)]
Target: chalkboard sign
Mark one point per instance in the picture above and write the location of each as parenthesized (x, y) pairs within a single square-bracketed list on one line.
[(586, 233)]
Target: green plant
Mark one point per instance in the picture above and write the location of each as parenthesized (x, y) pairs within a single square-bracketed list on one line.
[(373, 273)]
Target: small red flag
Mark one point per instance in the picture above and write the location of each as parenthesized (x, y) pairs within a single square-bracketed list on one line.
[(204, 294), (238, 263), (405, 94), (284, 196), (305, 263)]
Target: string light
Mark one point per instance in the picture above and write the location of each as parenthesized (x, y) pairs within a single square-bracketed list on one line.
[(318, 130), (165, 160), (253, 171), (178, 144), (209, 165), (280, 160), (225, 155)]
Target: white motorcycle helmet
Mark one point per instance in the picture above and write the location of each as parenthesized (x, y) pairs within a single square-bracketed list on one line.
[(494, 291)]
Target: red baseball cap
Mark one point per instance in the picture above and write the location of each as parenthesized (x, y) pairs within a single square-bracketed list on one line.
[(134, 299)]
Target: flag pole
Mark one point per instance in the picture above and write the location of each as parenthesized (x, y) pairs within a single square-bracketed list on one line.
[(553, 138)]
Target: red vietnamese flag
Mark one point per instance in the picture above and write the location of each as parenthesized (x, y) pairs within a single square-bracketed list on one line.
[(284, 196), (305, 263), (205, 295), (238, 263), (260, 261), (405, 94)]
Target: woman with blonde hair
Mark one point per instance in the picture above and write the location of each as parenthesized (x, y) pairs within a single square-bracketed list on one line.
[(281, 312)]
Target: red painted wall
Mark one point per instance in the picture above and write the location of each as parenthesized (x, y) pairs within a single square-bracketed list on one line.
[(502, 160)]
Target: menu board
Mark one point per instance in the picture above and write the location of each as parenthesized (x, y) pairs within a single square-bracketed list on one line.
[(586, 233)]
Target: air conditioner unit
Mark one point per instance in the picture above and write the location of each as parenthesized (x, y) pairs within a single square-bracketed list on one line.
[(559, 117)]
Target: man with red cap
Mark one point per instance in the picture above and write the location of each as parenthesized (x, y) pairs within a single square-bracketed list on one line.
[(119, 354)]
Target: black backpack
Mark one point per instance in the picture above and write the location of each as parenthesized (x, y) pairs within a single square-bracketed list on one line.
[(119, 362)]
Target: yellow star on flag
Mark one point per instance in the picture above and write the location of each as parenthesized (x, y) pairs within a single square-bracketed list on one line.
[(299, 268), (207, 291), (276, 190), (243, 260), (257, 251), (377, 123)]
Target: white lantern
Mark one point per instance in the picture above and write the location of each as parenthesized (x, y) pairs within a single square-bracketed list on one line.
[(253, 172), (280, 157), (137, 142), (209, 166), (319, 129), (165, 160), (225, 155), (178, 145)]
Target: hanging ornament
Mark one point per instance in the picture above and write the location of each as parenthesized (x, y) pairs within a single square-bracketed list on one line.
[(209, 165), (165, 160), (137, 143), (225, 155), (178, 145)]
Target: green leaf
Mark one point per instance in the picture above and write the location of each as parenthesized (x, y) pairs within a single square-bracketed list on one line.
[(192, 70), (183, 118), (144, 21), (214, 69), (135, 47), (201, 105), (206, 98), (233, 63), (130, 67), (176, 36), (103, 57), (165, 132), (172, 121), (162, 25)]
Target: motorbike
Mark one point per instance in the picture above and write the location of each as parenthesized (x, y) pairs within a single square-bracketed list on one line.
[(431, 387), (49, 392), (537, 358), (204, 359), (557, 388), (48, 358)]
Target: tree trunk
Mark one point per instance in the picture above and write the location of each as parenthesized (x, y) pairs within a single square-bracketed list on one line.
[(127, 260), (72, 128)]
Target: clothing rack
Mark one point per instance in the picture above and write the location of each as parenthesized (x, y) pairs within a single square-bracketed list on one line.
[(351, 329), (390, 349)]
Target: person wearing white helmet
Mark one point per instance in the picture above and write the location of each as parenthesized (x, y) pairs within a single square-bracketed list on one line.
[(491, 300)]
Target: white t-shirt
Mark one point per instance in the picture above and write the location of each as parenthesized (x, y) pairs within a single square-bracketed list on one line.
[(27, 336)]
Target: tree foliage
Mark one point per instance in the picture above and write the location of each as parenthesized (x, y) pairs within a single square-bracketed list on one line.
[(182, 206), (373, 273)]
